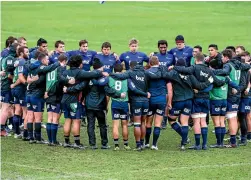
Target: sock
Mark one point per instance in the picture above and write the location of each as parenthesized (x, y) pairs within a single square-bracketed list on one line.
[(243, 138), (48, 130), (165, 120), (125, 142), (67, 139), (197, 139), (16, 121), (38, 131), (249, 135), (138, 144), (156, 133), (148, 134), (223, 132), (233, 139), (177, 128), (204, 132), (11, 121), (25, 134), (218, 134), (30, 130), (142, 142), (184, 134), (77, 139), (116, 142), (54, 131)]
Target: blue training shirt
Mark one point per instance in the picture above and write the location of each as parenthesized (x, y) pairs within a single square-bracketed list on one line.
[(129, 56), (186, 53)]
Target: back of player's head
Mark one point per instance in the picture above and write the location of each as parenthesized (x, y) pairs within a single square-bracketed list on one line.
[(133, 41), (82, 42), (162, 42), (154, 60), (21, 50), (213, 46), (97, 63), (245, 53), (20, 39), (181, 62), (37, 54), (231, 48), (118, 67), (106, 45), (198, 47), (62, 58), (9, 41), (41, 56), (75, 61), (58, 42), (241, 47), (227, 53), (179, 39), (133, 64), (41, 41), (214, 63), (199, 57)]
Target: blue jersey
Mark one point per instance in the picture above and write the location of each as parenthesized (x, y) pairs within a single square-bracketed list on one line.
[(165, 59), (5, 52), (21, 69), (128, 56), (186, 53), (157, 88), (108, 61), (87, 57)]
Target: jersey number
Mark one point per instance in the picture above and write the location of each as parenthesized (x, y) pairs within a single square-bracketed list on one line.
[(118, 85), (237, 75), (51, 76)]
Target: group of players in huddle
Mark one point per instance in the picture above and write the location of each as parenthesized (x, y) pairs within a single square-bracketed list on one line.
[(181, 86)]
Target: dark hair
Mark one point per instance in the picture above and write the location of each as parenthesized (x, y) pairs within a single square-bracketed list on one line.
[(62, 58), (82, 42), (41, 56), (21, 50), (231, 48), (133, 64), (162, 42), (213, 46), (106, 45), (97, 63), (227, 53), (199, 57), (58, 42), (245, 53), (180, 62), (118, 67), (198, 47), (75, 61), (37, 54), (41, 41), (9, 41)]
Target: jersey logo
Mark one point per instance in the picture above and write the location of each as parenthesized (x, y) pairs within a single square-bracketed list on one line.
[(140, 78), (127, 57), (203, 74), (42, 67), (102, 80), (55, 57), (183, 76), (34, 106), (163, 63), (107, 66), (72, 113), (116, 115), (9, 61), (86, 61), (137, 110), (139, 57)]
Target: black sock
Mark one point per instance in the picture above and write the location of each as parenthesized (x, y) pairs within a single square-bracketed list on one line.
[(77, 139), (125, 142), (67, 139), (38, 131), (30, 130)]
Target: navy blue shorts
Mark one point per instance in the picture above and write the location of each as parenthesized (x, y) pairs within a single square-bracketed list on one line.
[(181, 107), (19, 97), (218, 107), (200, 105), (233, 106), (35, 104), (72, 110), (156, 109), (120, 114), (55, 108), (245, 105), (139, 108), (83, 111), (6, 97)]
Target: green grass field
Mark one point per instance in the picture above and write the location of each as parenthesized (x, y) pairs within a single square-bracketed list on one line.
[(222, 23)]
